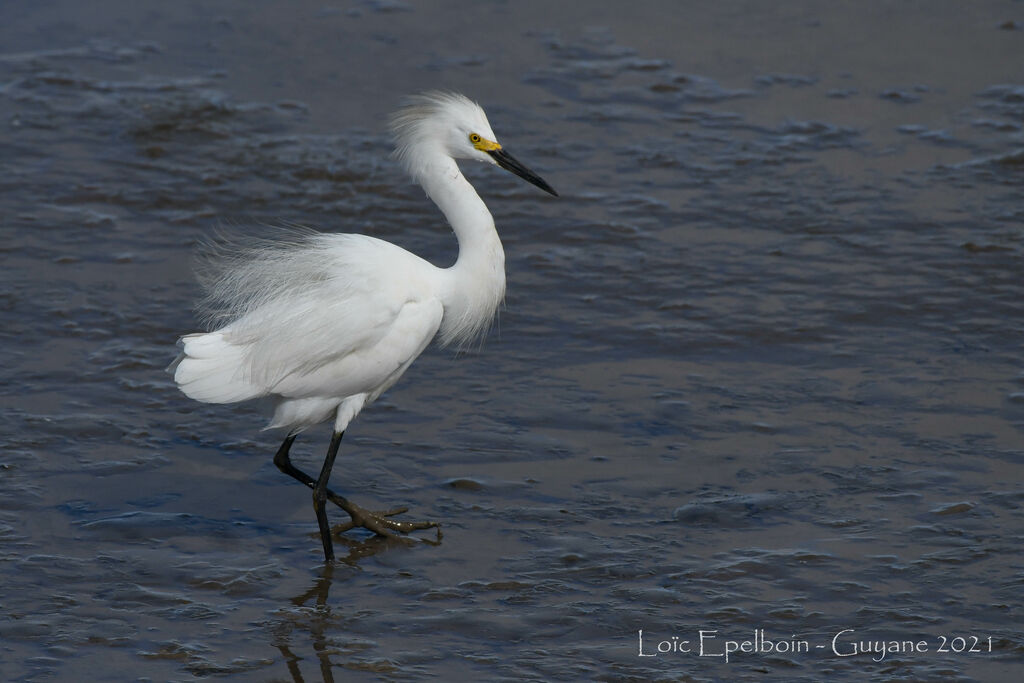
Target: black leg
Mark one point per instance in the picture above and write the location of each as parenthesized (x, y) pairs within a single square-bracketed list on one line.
[(320, 495), (284, 463), (377, 522)]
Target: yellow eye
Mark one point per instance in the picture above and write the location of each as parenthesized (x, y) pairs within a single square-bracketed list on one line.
[(483, 144)]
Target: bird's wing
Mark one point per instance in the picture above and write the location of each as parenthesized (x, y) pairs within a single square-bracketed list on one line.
[(354, 310), (373, 368)]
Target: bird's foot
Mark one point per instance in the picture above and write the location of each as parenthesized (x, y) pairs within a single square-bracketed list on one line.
[(381, 523)]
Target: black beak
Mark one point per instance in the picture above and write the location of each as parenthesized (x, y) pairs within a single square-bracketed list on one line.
[(509, 163)]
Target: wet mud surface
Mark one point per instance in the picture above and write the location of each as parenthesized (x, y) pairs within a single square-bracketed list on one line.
[(759, 370)]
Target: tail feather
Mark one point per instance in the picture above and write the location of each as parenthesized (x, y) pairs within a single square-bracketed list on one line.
[(212, 370)]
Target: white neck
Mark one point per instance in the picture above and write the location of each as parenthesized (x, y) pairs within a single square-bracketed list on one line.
[(473, 288)]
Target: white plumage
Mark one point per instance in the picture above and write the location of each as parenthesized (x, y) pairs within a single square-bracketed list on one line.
[(325, 323)]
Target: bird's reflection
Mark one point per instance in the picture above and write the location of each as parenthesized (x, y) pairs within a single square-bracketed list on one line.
[(318, 619)]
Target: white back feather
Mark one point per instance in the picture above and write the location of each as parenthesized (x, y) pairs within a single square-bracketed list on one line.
[(305, 299), (240, 273)]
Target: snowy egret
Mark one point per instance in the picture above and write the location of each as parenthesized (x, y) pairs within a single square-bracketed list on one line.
[(325, 323)]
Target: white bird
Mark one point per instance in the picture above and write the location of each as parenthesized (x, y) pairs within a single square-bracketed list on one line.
[(325, 323)]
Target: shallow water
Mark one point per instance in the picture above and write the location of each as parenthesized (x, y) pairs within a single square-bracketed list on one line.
[(760, 368)]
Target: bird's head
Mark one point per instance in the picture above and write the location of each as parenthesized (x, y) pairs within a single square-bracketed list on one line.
[(454, 125)]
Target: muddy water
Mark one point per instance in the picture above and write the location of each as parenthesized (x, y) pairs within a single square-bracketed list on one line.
[(759, 374)]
